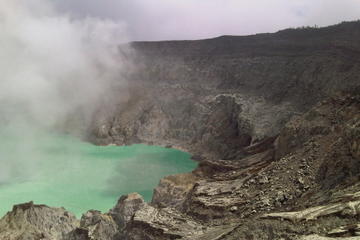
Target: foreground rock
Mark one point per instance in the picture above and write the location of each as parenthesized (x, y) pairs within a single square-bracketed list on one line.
[(172, 191), (33, 222), (95, 226), (148, 222)]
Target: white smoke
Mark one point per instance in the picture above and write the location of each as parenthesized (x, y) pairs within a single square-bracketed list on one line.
[(50, 64), (51, 67)]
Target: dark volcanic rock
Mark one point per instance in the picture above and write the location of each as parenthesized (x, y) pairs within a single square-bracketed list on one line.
[(217, 95)]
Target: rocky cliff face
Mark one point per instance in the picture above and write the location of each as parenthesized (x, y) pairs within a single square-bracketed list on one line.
[(217, 95), (302, 184), (278, 158)]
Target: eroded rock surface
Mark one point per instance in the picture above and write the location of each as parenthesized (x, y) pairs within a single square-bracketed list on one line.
[(173, 190), (217, 95), (95, 226), (33, 222), (297, 194)]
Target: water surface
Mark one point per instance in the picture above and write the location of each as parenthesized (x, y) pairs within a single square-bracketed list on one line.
[(63, 171)]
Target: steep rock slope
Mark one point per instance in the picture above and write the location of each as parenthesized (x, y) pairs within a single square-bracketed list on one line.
[(216, 95), (303, 185)]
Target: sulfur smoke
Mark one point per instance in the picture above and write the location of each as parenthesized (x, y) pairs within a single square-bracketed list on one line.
[(51, 64), (52, 67)]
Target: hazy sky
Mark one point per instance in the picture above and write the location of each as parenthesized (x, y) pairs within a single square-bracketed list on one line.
[(193, 19)]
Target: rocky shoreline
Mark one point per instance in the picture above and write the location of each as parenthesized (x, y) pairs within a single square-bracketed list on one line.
[(302, 184)]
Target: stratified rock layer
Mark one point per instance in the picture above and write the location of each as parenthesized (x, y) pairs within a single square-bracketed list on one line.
[(214, 96), (312, 182)]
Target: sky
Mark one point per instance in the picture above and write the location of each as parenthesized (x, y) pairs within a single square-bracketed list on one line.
[(197, 19)]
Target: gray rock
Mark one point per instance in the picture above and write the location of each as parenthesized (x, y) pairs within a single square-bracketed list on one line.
[(125, 209), (217, 95), (33, 222), (173, 190), (95, 226)]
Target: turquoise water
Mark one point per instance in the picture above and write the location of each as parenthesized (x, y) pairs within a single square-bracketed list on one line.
[(63, 171)]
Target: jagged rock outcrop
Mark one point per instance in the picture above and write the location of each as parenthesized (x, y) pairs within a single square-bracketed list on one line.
[(95, 226), (173, 190), (33, 222), (144, 221), (125, 209)]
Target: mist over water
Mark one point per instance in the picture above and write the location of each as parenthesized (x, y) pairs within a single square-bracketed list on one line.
[(52, 65), (54, 68), (80, 176)]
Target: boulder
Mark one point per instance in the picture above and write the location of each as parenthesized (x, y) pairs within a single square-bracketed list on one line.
[(33, 222)]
